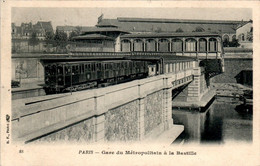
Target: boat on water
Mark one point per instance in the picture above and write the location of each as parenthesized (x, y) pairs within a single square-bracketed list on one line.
[(248, 98)]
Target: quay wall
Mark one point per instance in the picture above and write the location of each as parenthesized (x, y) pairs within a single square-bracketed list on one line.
[(233, 68), (130, 111)]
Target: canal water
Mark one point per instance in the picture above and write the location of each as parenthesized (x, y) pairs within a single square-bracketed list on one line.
[(222, 121)]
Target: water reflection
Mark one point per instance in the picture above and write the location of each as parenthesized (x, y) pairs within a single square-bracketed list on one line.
[(222, 122)]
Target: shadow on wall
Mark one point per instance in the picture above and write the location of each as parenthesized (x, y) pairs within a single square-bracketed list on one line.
[(245, 77)]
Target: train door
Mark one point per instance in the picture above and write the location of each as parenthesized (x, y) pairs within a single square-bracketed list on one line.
[(60, 75), (88, 71), (111, 70), (75, 74), (68, 78), (152, 69), (81, 73), (99, 71)]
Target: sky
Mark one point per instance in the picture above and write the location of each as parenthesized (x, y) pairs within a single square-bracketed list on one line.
[(89, 16)]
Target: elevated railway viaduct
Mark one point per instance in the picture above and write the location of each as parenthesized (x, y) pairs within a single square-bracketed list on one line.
[(139, 110)]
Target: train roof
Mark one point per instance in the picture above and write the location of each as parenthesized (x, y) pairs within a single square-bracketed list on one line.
[(75, 62), (164, 57)]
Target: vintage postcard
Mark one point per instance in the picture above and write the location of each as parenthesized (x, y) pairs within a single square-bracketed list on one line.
[(129, 83)]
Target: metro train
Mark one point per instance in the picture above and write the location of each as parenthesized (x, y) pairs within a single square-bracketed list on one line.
[(80, 75)]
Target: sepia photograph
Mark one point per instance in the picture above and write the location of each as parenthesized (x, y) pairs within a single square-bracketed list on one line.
[(120, 80)]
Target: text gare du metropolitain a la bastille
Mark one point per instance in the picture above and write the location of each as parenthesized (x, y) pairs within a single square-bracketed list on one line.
[(132, 152)]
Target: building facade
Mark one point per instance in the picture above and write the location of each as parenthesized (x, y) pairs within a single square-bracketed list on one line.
[(21, 36), (227, 29), (26, 29), (244, 34)]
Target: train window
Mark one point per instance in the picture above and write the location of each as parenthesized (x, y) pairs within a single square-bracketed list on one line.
[(98, 66), (47, 70), (93, 67), (53, 70), (73, 70), (67, 70), (82, 68), (86, 67), (60, 70), (77, 69), (113, 66)]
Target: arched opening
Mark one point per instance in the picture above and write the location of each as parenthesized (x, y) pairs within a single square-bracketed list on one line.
[(190, 45), (233, 37), (242, 37), (163, 45), (138, 45), (177, 45), (202, 45), (150, 45), (225, 38), (125, 45), (212, 45)]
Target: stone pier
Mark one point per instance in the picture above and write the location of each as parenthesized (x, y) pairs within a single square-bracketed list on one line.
[(197, 94)]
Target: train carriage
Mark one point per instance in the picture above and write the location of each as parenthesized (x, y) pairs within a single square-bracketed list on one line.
[(73, 76)]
